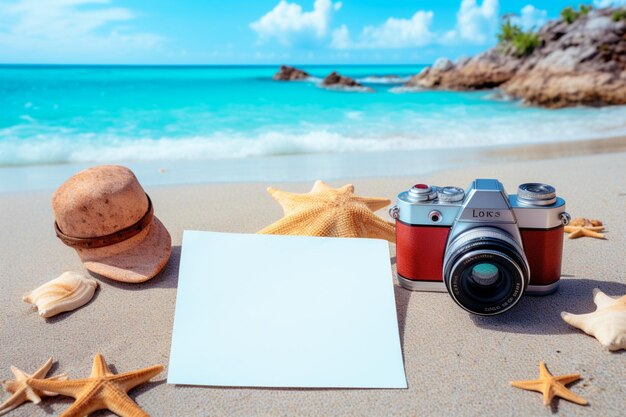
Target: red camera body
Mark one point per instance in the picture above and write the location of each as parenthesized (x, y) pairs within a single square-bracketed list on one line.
[(420, 250)]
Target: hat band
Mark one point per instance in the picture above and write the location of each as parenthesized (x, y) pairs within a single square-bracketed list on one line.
[(108, 240)]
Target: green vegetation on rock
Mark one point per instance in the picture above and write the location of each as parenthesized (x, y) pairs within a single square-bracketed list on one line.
[(508, 31), (525, 43), (619, 14), (569, 14), (514, 41)]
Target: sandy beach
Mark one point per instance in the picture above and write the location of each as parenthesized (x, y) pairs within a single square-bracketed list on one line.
[(456, 363)]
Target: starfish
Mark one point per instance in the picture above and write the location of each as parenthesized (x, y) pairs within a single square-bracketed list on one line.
[(551, 386), (607, 323), (102, 390), (584, 227), (22, 392), (327, 211)]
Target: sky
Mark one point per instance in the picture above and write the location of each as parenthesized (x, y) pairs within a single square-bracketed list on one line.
[(259, 31)]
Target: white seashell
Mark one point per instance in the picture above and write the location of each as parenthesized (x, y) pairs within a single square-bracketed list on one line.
[(607, 323), (68, 292)]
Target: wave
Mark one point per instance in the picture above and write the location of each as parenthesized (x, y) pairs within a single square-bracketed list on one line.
[(385, 79), (406, 89), (372, 79), (347, 88), (64, 146), (340, 130), (319, 82), (83, 147)]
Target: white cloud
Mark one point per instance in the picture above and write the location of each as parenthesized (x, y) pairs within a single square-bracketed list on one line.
[(606, 3), (475, 23), (287, 23), (391, 34), (341, 38), (400, 33), (67, 27), (530, 17)]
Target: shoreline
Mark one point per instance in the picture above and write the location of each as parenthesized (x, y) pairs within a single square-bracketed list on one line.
[(309, 167), (551, 150)]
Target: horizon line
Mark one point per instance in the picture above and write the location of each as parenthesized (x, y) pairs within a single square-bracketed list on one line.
[(202, 65)]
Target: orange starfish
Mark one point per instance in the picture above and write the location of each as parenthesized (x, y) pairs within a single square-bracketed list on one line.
[(584, 227), (102, 390), (551, 386), (22, 392), (327, 211)]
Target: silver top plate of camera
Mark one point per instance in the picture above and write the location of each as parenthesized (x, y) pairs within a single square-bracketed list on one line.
[(485, 201)]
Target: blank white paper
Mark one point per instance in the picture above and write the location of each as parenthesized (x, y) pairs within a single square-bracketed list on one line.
[(285, 311)]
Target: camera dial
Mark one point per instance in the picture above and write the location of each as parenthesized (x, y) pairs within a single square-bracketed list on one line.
[(450, 194), (422, 192), (536, 194)]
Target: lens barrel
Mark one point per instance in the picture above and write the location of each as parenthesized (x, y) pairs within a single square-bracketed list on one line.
[(485, 270)]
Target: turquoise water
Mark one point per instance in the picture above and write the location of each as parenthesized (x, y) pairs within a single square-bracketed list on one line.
[(86, 114)]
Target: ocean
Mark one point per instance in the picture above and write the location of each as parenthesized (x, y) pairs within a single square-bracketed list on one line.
[(87, 115)]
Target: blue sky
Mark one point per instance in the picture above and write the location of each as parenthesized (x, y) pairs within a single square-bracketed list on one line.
[(257, 31)]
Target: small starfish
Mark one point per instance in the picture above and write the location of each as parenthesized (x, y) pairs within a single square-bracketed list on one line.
[(584, 227), (551, 386), (102, 390), (607, 323), (22, 392), (327, 211)]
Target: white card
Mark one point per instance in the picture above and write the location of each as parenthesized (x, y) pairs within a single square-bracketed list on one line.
[(285, 311)]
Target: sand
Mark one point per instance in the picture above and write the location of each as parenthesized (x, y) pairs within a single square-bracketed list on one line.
[(456, 363)]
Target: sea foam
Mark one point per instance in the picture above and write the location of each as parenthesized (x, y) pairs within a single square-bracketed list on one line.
[(64, 146)]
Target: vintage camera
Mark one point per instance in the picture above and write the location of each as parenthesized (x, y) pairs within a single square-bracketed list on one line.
[(484, 247)]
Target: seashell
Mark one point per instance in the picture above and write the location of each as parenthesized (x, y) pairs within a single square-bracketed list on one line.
[(607, 323), (68, 292)]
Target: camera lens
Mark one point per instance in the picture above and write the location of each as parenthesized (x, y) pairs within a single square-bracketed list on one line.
[(485, 270), (485, 274)]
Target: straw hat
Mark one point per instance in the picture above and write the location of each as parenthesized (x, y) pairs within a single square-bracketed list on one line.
[(105, 215)]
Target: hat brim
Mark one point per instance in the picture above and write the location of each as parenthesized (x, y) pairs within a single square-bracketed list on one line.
[(134, 260)]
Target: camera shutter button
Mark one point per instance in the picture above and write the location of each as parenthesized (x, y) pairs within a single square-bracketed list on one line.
[(422, 192)]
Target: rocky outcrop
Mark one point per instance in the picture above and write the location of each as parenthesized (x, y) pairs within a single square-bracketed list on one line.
[(583, 62), (338, 81), (487, 70), (287, 73), (565, 90), (580, 63)]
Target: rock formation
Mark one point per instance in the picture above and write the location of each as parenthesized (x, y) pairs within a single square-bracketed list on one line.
[(582, 62), (287, 73), (336, 80), (487, 70)]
